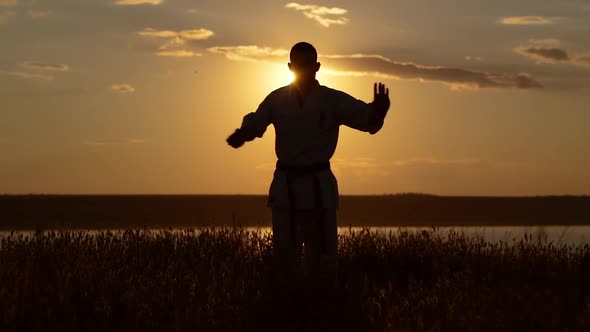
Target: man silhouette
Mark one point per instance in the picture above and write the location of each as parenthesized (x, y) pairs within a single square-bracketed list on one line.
[(303, 194)]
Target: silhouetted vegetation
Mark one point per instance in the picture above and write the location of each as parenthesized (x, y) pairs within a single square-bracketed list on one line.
[(220, 280), (123, 211)]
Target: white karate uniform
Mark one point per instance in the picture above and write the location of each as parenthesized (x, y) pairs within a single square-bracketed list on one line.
[(307, 134)]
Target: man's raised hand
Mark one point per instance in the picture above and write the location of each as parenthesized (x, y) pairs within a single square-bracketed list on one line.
[(381, 98)]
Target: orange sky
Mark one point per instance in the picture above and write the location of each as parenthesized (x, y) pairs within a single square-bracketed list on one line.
[(488, 98)]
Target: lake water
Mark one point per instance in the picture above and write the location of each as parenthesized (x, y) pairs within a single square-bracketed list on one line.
[(556, 234)]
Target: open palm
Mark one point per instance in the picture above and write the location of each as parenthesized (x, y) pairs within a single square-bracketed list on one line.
[(381, 98)]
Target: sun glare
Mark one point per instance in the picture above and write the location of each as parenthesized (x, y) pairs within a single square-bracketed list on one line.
[(279, 75)]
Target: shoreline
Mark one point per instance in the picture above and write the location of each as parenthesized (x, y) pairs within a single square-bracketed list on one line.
[(401, 210)]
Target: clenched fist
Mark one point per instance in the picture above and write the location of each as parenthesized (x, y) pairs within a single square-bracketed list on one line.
[(236, 139)]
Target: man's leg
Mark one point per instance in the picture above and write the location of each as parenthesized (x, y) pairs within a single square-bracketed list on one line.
[(284, 292), (321, 244), (286, 243)]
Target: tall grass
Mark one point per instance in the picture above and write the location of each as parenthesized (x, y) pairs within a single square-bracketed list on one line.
[(220, 279)]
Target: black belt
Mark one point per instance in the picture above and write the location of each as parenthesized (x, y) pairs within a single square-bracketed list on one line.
[(293, 171), (299, 170)]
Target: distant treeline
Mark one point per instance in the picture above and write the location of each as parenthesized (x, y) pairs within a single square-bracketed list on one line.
[(123, 211)]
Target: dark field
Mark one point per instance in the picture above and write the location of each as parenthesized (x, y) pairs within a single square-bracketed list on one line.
[(122, 211), (221, 280)]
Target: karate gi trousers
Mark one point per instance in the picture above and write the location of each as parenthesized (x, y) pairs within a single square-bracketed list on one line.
[(304, 221)]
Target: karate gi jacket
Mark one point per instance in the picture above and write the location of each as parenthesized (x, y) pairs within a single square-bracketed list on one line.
[(307, 134)]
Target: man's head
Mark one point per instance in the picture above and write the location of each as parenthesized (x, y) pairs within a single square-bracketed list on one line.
[(304, 61)]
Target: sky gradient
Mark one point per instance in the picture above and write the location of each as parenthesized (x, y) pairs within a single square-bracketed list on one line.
[(138, 96)]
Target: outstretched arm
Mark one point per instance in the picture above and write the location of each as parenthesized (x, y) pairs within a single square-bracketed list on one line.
[(253, 125), (359, 115)]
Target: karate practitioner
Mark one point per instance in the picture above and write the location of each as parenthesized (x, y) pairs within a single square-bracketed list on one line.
[(303, 194)]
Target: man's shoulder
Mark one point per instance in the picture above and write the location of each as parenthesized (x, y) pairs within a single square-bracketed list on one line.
[(282, 91), (334, 93)]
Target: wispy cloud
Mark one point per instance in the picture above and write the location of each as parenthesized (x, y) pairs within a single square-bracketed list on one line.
[(379, 66), (583, 59), (39, 14), (474, 58), (191, 34), (178, 53), (544, 54), (374, 167), (325, 16), (544, 42), (550, 51), (8, 3), (368, 163), (174, 47), (456, 78), (250, 53), (123, 88), (36, 66), (6, 16), (127, 141), (45, 66), (26, 75), (525, 20), (175, 43), (136, 2)]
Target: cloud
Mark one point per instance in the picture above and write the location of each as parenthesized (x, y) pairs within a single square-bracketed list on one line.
[(123, 88), (525, 20), (545, 54), (8, 3), (325, 16), (191, 34), (363, 167), (176, 53), (474, 58), (544, 42), (6, 16), (136, 2), (583, 59), (195, 34), (250, 53), (374, 163), (175, 48), (175, 43), (549, 51), (45, 66), (28, 76), (38, 14), (375, 65), (150, 32), (127, 141), (36, 66)]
